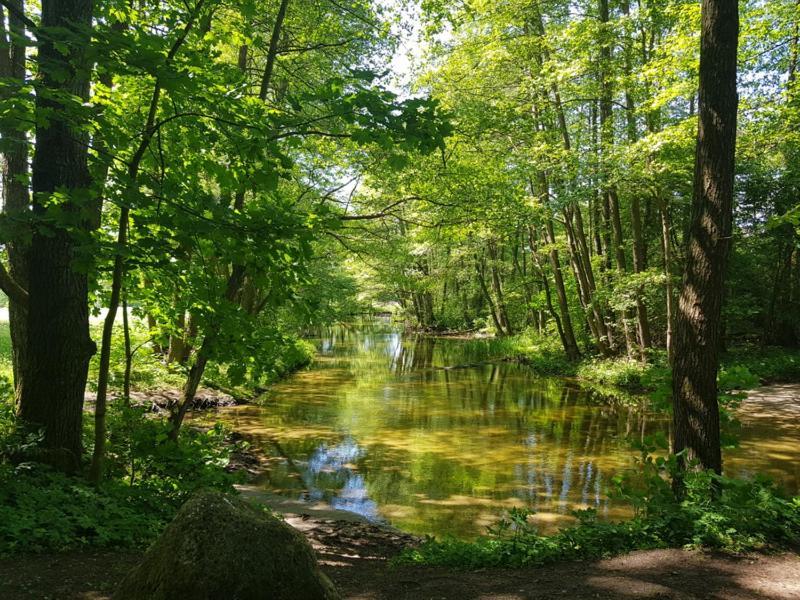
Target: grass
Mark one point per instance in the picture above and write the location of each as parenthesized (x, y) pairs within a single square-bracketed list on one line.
[(5, 351)]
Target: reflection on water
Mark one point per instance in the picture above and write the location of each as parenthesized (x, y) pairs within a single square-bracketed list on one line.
[(418, 432)]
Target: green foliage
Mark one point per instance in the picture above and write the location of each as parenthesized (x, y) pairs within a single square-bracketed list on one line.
[(148, 478), (141, 453), (5, 351), (768, 365), (625, 373), (715, 512), (542, 353), (41, 510)]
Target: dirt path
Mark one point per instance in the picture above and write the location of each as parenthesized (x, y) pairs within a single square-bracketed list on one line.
[(355, 556)]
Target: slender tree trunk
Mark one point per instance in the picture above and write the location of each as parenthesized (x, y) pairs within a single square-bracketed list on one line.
[(639, 266), (613, 228), (272, 52), (571, 345), (639, 249), (238, 272), (177, 340), (698, 324), (16, 199), (480, 267), (666, 244), (126, 332), (563, 321), (98, 455), (502, 310)]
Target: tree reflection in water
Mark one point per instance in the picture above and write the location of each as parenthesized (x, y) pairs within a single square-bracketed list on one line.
[(380, 428)]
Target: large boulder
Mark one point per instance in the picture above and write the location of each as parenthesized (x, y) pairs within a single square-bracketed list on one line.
[(219, 547)]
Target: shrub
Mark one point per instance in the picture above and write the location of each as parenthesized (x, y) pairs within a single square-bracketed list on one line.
[(148, 478)]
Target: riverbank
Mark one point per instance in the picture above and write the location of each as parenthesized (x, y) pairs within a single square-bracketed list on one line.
[(356, 557), (741, 367)]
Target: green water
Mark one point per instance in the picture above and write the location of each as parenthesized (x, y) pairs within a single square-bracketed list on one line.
[(380, 428)]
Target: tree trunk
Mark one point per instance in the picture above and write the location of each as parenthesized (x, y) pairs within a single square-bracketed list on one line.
[(698, 325), (59, 346), (639, 249), (177, 341), (502, 310), (639, 266), (666, 244), (479, 270), (16, 199), (563, 321), (571, 345), (126, 331)]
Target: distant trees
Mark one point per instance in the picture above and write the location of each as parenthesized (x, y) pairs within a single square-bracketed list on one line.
[(563, 200)]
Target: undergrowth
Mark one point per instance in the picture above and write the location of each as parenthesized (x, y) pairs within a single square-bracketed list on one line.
[(741, 367), (148, 478)]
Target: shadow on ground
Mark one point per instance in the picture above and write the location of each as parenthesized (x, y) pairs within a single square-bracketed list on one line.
[(355, 556)]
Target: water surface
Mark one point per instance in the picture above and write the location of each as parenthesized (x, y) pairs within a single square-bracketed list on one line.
[(383, 426)]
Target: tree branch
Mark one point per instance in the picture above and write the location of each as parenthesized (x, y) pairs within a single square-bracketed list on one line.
[(378, 215), (14, 10), (11, 288)]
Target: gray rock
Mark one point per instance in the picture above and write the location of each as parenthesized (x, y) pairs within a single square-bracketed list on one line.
[(221, 547)]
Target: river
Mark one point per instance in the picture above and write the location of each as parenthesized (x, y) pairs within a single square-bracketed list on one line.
[(381, 427)]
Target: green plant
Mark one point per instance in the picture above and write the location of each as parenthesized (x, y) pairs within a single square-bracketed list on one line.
[(148, 478)]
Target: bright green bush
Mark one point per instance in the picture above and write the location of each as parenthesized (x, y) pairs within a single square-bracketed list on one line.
[(766, 364), (626, 373)]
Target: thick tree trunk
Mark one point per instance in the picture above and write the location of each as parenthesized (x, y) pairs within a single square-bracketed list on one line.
[(59, 346), (698, 325)]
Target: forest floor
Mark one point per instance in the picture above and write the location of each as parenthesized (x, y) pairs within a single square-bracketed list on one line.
[(355, 556)]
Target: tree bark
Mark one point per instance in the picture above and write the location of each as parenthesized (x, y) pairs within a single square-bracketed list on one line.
[(563, 320), (666, 245), (59, 346), (497, 286), (480, 267), (16, 199), (698, 325)]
